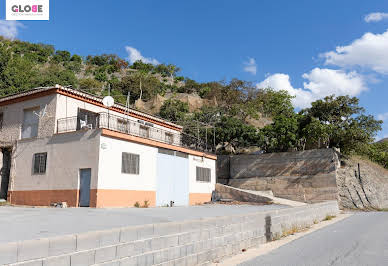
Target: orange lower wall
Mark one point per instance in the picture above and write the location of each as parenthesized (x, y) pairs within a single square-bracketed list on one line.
[(99, 198), (122, 198), (43, 197), (199, 198)]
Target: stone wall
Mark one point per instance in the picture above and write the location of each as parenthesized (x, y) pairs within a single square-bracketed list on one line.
[(308, 176), (192, 242)]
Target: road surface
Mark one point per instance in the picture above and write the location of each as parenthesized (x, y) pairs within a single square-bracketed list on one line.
[(20, 223), (361, 239)]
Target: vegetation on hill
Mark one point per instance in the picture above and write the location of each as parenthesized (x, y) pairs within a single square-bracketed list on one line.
[(330, 122)]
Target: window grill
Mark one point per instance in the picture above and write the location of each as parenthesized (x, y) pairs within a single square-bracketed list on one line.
[(40, 162), (203, 174), (130, 163)]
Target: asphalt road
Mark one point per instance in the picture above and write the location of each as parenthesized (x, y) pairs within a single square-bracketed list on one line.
[(361, 239)]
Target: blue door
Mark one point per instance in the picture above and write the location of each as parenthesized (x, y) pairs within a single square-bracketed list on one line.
[(84, 187), (172, 180)]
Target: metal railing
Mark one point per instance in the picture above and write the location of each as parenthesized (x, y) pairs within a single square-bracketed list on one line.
[(130, 127)]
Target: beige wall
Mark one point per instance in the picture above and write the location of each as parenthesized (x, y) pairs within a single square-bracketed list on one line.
[(66, 154), (13, 117)]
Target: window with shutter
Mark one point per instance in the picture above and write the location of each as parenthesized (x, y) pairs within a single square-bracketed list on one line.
[(203, 174), (130, 163), (40, 163)]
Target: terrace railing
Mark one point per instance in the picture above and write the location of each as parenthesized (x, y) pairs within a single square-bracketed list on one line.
[(128, 126)]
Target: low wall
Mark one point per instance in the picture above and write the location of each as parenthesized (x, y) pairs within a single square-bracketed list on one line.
[(226, 192), (308, 176), (181, 243)]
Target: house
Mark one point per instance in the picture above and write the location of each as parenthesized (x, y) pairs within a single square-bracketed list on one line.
[(63, 145)]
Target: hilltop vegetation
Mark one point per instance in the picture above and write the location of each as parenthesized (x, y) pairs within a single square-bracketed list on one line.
[(241, 114)]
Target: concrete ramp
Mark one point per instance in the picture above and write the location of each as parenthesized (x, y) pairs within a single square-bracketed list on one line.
[(228, 192)]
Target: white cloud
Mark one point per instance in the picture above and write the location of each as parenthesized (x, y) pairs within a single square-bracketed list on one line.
[(10, 28), (250, 66), (383, 116), (374, 17), (135, 55), (369, 51), (320, 83)]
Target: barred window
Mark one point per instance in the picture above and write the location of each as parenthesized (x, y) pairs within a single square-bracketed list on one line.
[(130, 163), (203, 174), (40, 162)]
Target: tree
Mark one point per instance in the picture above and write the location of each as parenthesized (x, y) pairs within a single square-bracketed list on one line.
[(282, 134), (139, 85), (89, 84), (174, 110), (343, 122)]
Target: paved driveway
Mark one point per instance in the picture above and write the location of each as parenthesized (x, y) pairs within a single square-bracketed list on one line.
[(19, 223), (361, 239)]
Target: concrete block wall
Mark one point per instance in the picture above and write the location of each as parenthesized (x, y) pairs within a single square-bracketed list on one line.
[(189, 242)]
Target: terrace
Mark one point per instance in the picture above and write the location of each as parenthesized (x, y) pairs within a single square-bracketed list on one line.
[(88, 120)]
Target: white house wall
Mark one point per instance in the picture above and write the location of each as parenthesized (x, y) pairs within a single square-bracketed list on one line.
[(201, 191), (118, 189)]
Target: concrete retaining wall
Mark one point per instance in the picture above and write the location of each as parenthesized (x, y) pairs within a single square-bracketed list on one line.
[(182, 243), (308, 176)]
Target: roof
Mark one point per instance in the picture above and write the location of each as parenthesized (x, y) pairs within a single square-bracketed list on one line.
[(81, 95)]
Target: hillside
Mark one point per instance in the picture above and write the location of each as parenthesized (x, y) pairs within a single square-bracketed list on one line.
[(233, 116)]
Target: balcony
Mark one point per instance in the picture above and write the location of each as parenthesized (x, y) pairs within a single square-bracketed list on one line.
[(127, 126)]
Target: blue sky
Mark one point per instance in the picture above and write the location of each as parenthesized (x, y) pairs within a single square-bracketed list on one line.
[(288, 45)]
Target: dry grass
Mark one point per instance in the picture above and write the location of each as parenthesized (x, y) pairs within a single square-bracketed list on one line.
[(329, 217)]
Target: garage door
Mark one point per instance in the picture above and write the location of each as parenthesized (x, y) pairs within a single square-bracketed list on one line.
[(172, 178)]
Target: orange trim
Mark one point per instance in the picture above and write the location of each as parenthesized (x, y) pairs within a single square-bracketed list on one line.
[(122, 198), (154, 143), (43, 197), (84, 99), (29, 97), (199, 198)]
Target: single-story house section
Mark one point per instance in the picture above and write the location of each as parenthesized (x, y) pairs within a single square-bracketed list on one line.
[(63, 145)]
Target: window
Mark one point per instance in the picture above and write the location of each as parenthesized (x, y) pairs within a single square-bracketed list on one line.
[(181, 154), (130, 163), (166, 151), (144, 132), (169, 138), (1, 121), (203, 174), (30, 123), (40, 162)]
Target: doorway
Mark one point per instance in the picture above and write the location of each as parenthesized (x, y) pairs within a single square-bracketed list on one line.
[(84, 187), (5, 169)]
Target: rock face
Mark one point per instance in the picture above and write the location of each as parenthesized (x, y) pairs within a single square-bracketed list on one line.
[(364, 189)]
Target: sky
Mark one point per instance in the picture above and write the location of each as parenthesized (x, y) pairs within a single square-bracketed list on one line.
[(309, 48)]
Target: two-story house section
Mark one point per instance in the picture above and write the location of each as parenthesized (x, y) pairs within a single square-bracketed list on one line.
[(63, 145)]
